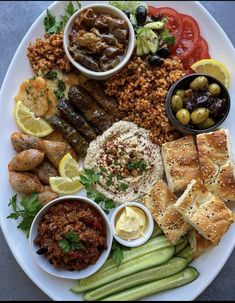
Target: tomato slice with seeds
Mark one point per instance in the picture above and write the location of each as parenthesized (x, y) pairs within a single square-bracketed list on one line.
[(201, 51), (174, 23), (189, 39)]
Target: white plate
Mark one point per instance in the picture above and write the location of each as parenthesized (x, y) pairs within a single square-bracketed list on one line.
[(209, 264)]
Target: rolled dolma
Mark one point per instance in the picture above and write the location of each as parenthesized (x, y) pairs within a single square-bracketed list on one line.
[(77, 141), (77, 120), (93, 113)]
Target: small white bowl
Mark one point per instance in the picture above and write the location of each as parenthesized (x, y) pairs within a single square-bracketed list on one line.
[(148, 230), (44, 263), (131, 45)]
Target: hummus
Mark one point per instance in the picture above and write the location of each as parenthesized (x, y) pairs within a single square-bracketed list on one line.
[(128, 162)]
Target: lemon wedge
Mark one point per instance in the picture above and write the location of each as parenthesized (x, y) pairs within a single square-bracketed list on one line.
[(213, 68), (65, 185), (68, 167), (28, 123)]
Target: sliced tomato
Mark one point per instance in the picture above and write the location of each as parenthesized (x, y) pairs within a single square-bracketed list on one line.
[(189, 39), (201, 51), (174, 23)]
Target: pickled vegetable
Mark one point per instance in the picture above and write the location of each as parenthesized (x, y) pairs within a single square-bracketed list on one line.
[(180, 92), (199, 83), (199, 115), (214, 89), (183, 116), (209, 122), (176, 103)]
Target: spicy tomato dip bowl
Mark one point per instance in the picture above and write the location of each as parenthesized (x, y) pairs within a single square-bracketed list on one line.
[(71, 237)]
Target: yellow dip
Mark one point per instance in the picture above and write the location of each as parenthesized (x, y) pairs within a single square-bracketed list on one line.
[(131, 223)]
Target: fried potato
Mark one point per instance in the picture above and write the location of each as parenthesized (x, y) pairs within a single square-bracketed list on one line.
[(33, 93)]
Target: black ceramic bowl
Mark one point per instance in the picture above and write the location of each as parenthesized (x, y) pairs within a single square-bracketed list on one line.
[(184, 83)]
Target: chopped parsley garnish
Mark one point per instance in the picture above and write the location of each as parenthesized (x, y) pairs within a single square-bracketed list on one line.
[(89, 179), (60, 92), (54, 26), (109, 181), (167, 37), (123, 186), (28, 209), (70, 242), (52, 75), (141, 165), (117, 253)]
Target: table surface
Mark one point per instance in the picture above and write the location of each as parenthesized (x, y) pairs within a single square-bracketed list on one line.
[(15, 285)]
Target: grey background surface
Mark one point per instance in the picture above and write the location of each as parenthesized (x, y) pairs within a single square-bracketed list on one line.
[(16, 18)]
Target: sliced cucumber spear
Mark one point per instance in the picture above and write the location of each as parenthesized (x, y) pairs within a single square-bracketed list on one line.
[(186, 253), (155, 25), (169, 268), (184, 277), (155, 244), (157, 231), (182, 246), (135, 265)]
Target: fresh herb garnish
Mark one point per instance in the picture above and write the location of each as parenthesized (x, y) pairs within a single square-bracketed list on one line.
[(70, 242), (52, 75), (89, 179), (123, 186), (116, 253), (167, 37), (141, 165), (54, 26), (60, 92), (29, 207), (109, 181)]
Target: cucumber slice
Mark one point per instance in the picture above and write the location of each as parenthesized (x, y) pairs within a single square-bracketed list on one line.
[(186, 253), (147, 261), (186, 276), (169, 268), (155, 25), (157, 231), (145, 47), (150, 38), (128, 255), (182, 246), (139, 49)]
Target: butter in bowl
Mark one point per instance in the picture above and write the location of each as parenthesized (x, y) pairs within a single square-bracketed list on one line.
[(132, 224)]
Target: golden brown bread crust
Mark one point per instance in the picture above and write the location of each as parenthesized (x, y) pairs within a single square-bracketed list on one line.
[(160, 202), (181, 163), (217, 164), (198, 243), (204, 211)]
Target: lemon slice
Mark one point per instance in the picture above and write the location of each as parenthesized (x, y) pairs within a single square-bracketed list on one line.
[(213, 68), (64, 185), (28, 123), (68, 167)]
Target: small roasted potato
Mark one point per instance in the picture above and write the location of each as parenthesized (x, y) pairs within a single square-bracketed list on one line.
[(26, 160), (22, 142), (25, 183), (47, 196), (45, 170), (33, 93)]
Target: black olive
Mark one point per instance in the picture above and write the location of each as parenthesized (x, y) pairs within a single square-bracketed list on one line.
[(217, 109), (202, 101), (141, 14), (156, 18), (155, 61), (163, 52), (189, 104), (127, 13), (42, 251)]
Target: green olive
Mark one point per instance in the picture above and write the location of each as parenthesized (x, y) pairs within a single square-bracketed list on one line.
[(176, 103), (183, 116), (199, 115), (214, 89), (181, 93), (198, 83), (209, 122)]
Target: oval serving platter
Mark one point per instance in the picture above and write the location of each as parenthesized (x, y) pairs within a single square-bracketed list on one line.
[(210, 263)]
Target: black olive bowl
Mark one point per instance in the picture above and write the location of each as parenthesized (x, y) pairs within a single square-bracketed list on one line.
[(184, 83)]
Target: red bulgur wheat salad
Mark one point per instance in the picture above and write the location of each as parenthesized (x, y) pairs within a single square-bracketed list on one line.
[(72, 235), (141, 91)]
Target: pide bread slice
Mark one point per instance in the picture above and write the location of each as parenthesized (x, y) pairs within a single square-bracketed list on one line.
[(217, 165), (207, 213), (181, 163), (198, 243), (161, 202)]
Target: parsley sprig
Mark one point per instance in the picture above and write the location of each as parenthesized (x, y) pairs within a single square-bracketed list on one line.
[(117, 253), (61, 87), (54, 26), (71, 241), (27, 209), (141, 165), (89, 178)]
